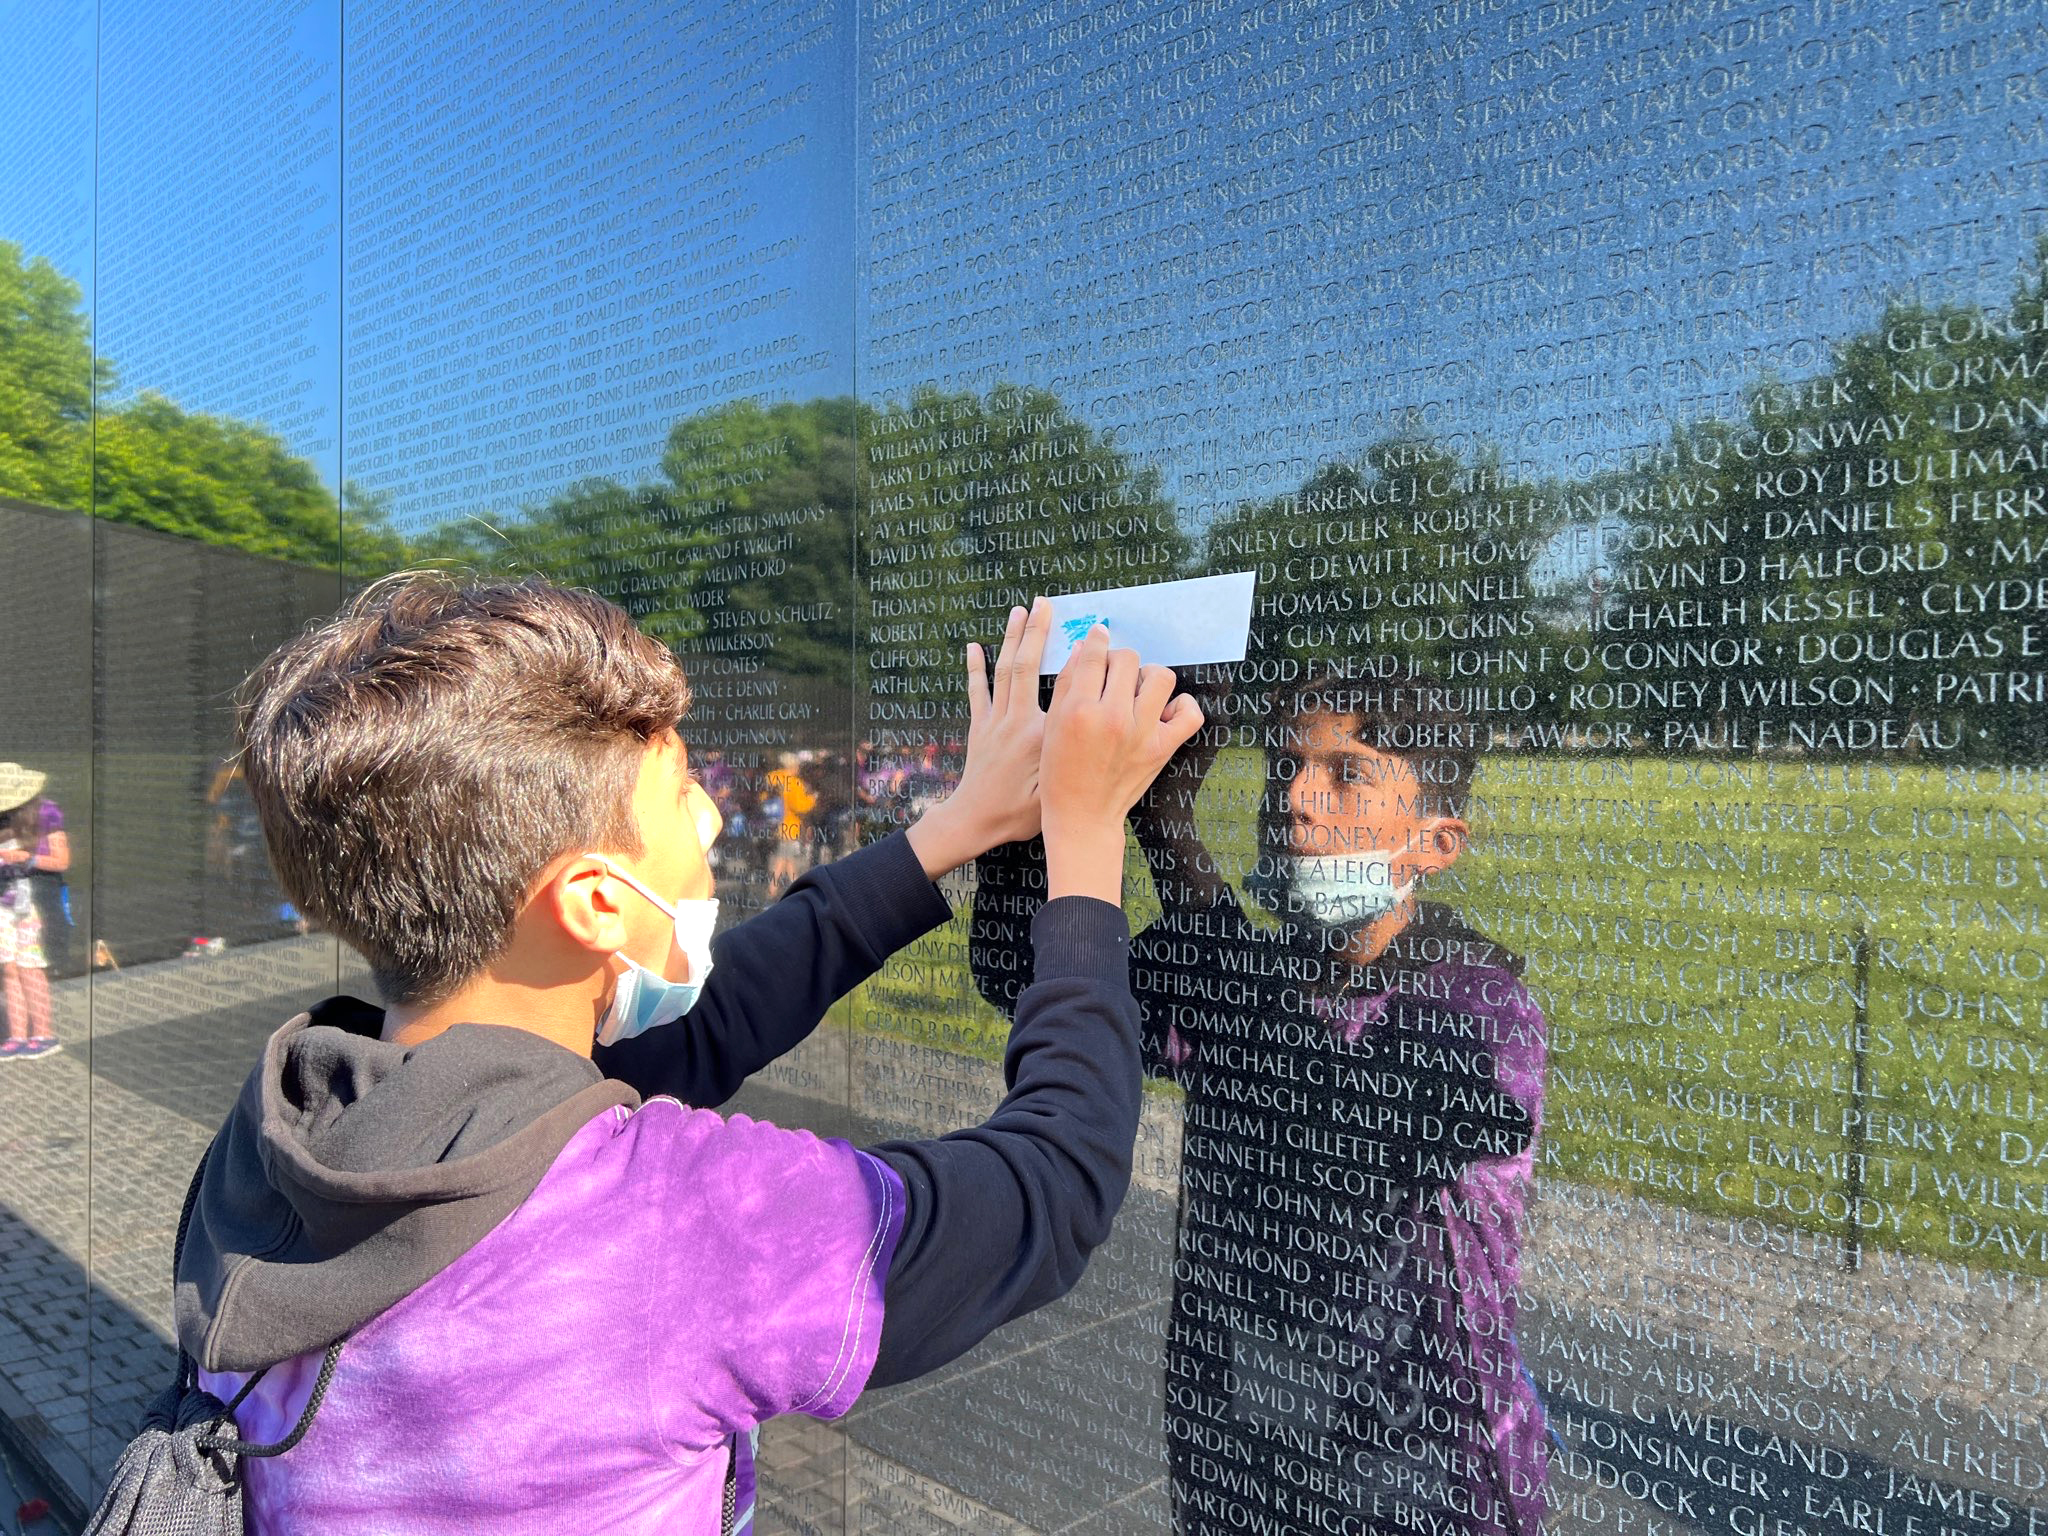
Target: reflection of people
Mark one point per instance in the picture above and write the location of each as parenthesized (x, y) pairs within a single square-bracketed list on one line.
[(250, 901), (443, 1216), (1363, 1085), (716, 777), (34, 853), (788, 786), (833, 829)]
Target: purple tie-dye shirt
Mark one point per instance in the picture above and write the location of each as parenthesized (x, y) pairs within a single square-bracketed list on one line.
[(676, 1278)]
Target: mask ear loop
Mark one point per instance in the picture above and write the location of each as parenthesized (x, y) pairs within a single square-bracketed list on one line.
[(621, 977), (675, 917), (665, 907)]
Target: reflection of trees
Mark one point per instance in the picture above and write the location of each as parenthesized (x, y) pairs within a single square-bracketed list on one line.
[(150, 462), (1013, 480), (1869, 537), (742, 544), (745, 544), (766, 494), (212, 479), (47, 379), (1852, 560), (596, 532), (973, 502), (1411, 553), (1850, 552)]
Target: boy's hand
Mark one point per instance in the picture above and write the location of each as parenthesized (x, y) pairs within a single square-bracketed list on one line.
[(1170, 798), (996, 800), (1112, 726)]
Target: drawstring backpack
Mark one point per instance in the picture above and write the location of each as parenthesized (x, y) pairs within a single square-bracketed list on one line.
[(181, 1475)]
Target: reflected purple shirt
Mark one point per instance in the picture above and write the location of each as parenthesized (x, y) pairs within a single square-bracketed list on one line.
[(1484, 1213), (675, 1278)]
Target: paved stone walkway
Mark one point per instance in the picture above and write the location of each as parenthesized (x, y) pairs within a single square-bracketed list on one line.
[(97, 1146)]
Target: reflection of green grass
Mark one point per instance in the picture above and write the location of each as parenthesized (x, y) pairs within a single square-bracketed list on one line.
[(1692, 931)]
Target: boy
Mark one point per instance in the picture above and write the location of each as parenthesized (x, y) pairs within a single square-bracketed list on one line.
[(558, 1306), (1363, 1084)]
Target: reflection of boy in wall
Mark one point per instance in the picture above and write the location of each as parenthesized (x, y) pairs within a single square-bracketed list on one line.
[(1363, 1087)]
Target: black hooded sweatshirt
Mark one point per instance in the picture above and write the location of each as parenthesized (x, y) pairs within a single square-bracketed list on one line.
[(352, 1169)]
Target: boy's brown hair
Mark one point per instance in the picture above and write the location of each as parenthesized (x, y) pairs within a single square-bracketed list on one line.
[(418, 759)]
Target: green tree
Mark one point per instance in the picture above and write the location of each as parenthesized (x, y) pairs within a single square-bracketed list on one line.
[(47, 378), (761, 498), (149, 461), (742, 548), (370, 542), (213, 479), (595, 533), (972, 502), (1409, 553)]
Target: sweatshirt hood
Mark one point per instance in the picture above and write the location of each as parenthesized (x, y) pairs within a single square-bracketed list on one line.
[(352, 1170)]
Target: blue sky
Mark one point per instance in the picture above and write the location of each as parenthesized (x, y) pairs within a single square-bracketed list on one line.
[(464, 254)]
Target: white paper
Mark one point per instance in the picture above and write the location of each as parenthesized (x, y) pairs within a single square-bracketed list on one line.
[(1169, 623)]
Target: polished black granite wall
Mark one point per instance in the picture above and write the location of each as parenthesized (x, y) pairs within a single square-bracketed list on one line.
[(1635, 417)]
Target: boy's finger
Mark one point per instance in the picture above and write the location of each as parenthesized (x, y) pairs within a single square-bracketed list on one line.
[(1082, 675), (1155, 687), (1031, 648), (1183, 718), (1020, 675), (1120, 683), (1005, 658), (978, 699)]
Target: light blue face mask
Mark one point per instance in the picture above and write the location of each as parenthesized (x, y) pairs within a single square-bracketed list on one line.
[(1342, 890), (645, 999)]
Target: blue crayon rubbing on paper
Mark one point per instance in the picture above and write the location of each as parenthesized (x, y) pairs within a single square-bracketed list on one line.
[(1171, 623)]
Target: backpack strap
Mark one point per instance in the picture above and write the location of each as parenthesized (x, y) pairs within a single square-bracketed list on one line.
[(239, 1447), (188, 1368)]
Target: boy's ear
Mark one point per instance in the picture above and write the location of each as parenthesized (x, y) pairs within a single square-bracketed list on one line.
[(1438, 842), (585, 901)]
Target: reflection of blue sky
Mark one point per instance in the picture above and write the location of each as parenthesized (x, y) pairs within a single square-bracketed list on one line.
[(549, 230), (571, 226), (552, 232), (46, 64), (1251, 250), (217, 238)]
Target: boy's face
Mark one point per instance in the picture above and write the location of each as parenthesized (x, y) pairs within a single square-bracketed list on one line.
[(1347, 798), (667, 805)]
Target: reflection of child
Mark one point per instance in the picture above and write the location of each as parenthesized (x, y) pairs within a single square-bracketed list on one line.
[(560, 1308), (21, 928), (1363, 1088)]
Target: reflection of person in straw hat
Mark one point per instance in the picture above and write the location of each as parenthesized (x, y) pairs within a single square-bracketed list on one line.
[(34, 853)]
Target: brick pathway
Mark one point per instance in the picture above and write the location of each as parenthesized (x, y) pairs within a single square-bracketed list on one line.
[(98, 1147)]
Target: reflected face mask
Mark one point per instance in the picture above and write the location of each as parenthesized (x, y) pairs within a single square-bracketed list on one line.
[(1342, 890)]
